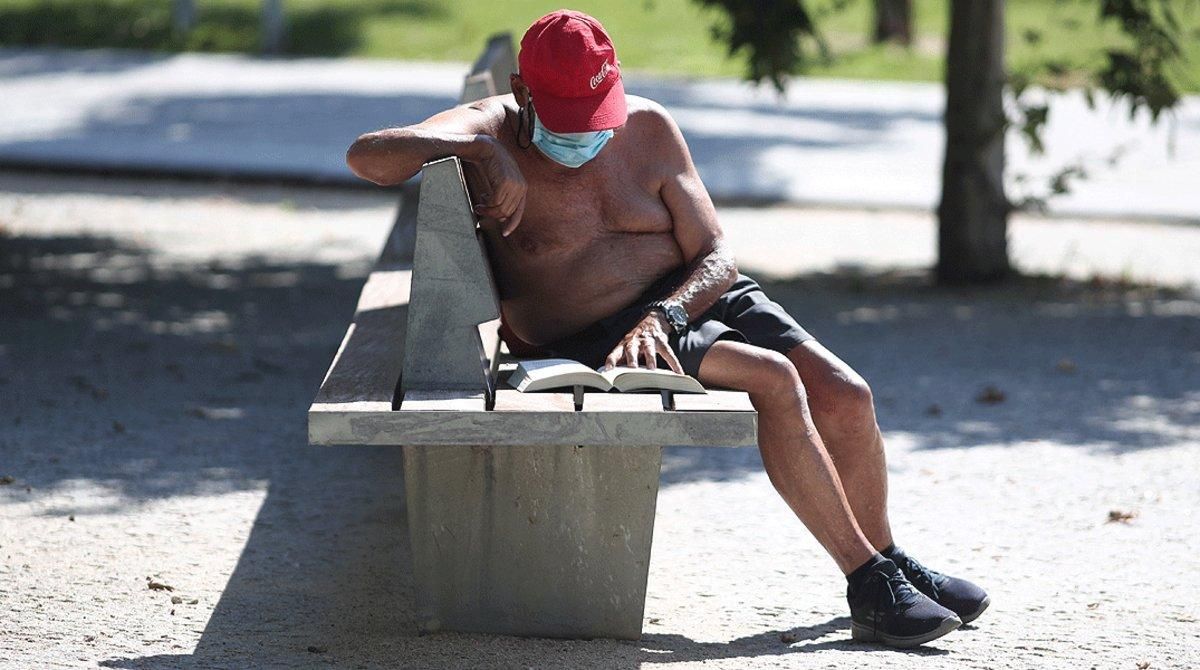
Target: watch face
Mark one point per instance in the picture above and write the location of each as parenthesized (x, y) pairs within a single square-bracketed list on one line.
[(677, 315)]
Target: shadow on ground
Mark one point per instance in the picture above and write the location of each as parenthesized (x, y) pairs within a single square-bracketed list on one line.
[(153, 381)]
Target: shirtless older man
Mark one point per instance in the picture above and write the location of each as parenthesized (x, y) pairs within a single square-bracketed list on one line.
[(607, 249)]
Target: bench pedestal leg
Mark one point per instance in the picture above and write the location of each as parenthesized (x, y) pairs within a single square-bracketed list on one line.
[(550, 541)]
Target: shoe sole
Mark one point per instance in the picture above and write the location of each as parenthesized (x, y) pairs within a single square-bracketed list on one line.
[(968, 618), (866, 634)]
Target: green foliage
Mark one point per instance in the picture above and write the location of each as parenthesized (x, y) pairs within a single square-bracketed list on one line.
[(1143, 71), (1134, 49), (1141, 65), (118, 23), (769, 34), (665, 36), (314, 27), (1139, 73)]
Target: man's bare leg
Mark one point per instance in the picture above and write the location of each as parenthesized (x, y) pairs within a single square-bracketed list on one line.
[(794, 456), (843, 411)]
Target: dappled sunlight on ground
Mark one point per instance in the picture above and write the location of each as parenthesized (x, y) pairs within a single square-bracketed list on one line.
[(158, 353)]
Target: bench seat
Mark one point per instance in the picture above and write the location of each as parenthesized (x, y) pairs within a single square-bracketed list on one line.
[(719, 419)]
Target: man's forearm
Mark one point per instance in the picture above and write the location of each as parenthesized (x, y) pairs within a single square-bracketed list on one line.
[(708, 277), (391, 156)]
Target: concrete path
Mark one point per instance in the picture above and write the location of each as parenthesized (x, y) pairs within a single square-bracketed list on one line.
[(160, 342), (830, 142)]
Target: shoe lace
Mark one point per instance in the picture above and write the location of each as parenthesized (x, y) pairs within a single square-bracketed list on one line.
[(923, 576), (895, 590)]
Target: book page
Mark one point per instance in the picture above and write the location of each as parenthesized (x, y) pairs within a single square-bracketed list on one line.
[(634, 379), (550, 373)]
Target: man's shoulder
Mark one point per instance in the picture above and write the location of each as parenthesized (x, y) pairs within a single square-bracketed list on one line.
[(652, 124), (646, 111)]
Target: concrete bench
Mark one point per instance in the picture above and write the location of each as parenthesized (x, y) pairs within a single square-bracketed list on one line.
[(528, 514)]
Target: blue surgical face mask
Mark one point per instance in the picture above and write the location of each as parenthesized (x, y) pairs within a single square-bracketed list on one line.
[(569, 149)]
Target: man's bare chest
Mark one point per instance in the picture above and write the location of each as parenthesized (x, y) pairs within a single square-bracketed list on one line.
[(613, 198), (566, 216)]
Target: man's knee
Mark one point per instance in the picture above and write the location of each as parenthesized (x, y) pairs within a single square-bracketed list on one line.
[(772, 377), (846, 399), (768, 376)]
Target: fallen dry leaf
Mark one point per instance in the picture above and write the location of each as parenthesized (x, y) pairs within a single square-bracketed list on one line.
[(788, 638), (934, 410), (1142, 665), (176, 600), (1093, 606), (991, 395), (1121, 516), (158, 586), (264, 365), (1066, 366)]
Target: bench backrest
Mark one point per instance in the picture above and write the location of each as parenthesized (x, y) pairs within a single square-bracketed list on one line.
[(489, 73), (452, 293)]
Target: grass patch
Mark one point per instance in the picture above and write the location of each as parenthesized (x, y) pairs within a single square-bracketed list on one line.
[(661, 36)]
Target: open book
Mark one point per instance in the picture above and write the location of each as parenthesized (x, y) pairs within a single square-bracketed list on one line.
[(551, 373)]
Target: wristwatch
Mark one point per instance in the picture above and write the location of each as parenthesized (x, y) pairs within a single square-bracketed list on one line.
[(676, 315)]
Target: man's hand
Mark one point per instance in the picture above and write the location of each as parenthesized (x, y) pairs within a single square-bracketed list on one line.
[(505, 199), (644, 344)]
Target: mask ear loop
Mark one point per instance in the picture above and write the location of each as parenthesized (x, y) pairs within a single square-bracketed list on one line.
[(525, 117)]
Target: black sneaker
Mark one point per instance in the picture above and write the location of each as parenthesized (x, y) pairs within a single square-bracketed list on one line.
[(886, 608), (958, 595)]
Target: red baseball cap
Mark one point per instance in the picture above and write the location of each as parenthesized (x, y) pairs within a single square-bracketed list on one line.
[(571, 68)]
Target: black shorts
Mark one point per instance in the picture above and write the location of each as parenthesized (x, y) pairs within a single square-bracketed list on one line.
[(743, 313)]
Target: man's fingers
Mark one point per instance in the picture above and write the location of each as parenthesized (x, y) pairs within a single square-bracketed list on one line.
[(632, 349), (489, 211), (650, 353), (515, 219), (669, 356), (613, 358)]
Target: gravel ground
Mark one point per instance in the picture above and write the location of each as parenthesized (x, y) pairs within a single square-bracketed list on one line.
[(160, 343)]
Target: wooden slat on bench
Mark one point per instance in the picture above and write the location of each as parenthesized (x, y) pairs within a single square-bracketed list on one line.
[(367, 365), (445, 401), (713, 401), (534, 419), (622, 402), (384, 289), (509, 400)]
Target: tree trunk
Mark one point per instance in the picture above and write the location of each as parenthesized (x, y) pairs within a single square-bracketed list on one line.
[(272, 26), (973, 215), (893, 21), (183, 16)]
